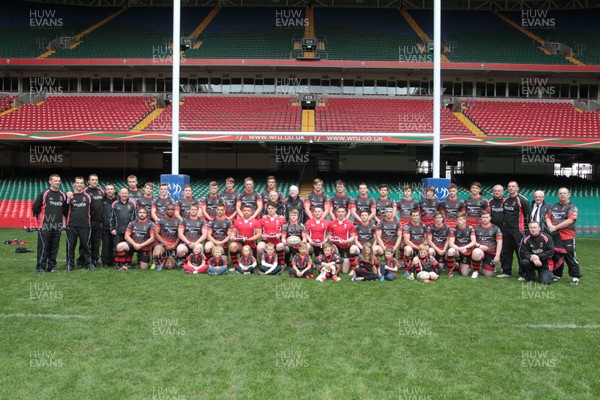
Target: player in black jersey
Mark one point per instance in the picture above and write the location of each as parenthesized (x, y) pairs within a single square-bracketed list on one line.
[(365, 233), (182, 206), (249, 197), (536, 253), (437, 238), (161, 202), (414, 235), (294, 202), (339, 199), (219, 231), (517, 211), (210, 202), (383, 202), (139, 237), (229, 198), (460, 247), (489, 246), (49, 209), (78, 225), (316, 198), (192, 232), (362, 202), (292, 228), (132, 187), (167, 238), (147, 199), (108, 256), (97, 196)]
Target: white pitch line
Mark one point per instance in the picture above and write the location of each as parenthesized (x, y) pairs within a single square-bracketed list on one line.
[(568, 326), (50, 316)]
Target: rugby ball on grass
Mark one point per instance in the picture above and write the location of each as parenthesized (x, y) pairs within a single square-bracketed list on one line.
[(423, 276)]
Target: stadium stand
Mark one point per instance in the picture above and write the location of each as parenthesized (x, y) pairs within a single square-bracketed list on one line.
[(79, 113), (383, 115), (233, 113), (520, 118), (248, 33), (576, 28), (27, 28), (484, 38), (6, 102), (364, 34)]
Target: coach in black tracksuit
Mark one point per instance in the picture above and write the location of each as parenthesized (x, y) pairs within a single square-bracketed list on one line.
[(97, 196), (108, 250), (79, 226), (123, 212), (536, 254), (497, 206), (517, 211), (49, 209)]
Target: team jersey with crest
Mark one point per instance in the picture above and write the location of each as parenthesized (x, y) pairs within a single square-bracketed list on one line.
[(342, 229), (160, 205), (168, 229), (219, 228), (196, 259), (392, 263), (97, 196), (438, 235), (80, 212), (338, 201), (474, 207), (365, 233), (428, 208), (134, 195), (390, 230), (451, 208), (517, 211), (322, 259), (210, 204), (381, 205), (292, 230), (140, 231), (245, 228), (192, 228), (427, 264), (301, 262), (362, 203), (250, 199), (268, 260), (316, 200), (488, 236), (561, 212), (271, 226), (146, 202), (229, 198), (217, 262), (462, 237), (316, 229), (416, 233), (247, 261), (497, 211), (540, 245), (183, 206), (405, 208), (49, 208)]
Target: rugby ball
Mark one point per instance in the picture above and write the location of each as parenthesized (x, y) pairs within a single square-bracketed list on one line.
[(293, 240), (423, 276)]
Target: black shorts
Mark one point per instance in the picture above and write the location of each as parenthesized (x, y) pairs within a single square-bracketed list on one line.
[(486, 263), (142, 255), (464, 259), (343, 253)]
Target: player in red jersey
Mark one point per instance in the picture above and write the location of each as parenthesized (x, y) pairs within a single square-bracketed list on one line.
[(210, 202), (341, 233), (219, 231), (250, 198), (139, 237), (339, 199), (560, 221), (362, 202), (315, 231), (182, 206), (489, 246), (451, 206), (167, 237), (317, 198), (272, 225), (192, 231), (429, 206), (414, 235), (462, 241), (246, 231), (475, 205), (229, 198)]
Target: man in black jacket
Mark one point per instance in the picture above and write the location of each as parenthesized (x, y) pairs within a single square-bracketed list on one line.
[(49, 209), (78, 225), (536, 254), (539, 209), (97, 195), (108, 255), (123, 212)]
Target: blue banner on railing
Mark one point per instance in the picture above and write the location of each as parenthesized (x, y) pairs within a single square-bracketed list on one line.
[(176, 183), (440, 184)]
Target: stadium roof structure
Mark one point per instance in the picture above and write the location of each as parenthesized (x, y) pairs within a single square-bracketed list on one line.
[(506, 5)]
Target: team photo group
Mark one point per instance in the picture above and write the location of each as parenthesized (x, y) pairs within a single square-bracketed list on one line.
[(318, 237)]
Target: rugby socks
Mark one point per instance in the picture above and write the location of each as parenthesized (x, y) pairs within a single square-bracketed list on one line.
[(476, 265), (352, 259), (281, 257), (234, 258), (450, 264)]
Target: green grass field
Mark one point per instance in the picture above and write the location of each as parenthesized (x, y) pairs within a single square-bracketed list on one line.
[(168, 335)]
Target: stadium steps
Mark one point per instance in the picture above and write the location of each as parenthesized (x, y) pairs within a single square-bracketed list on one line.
[(574, 60), (519, 28), (8, 111), (305, 188), (420, 32), (309, 29), (99, 24), (147, 120), (469, 124), (47, 54), (308, 120), (200, 28)]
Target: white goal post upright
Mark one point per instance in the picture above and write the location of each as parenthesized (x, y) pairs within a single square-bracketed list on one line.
[(175, 87), (437, 85)]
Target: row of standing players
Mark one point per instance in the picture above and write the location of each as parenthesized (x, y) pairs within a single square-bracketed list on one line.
[(474, 233)]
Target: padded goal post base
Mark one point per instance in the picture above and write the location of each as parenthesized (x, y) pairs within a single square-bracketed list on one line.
[(176, 184), (440, 184)]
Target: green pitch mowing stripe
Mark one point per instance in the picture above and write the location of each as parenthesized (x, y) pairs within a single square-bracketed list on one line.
[(144, 335)]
